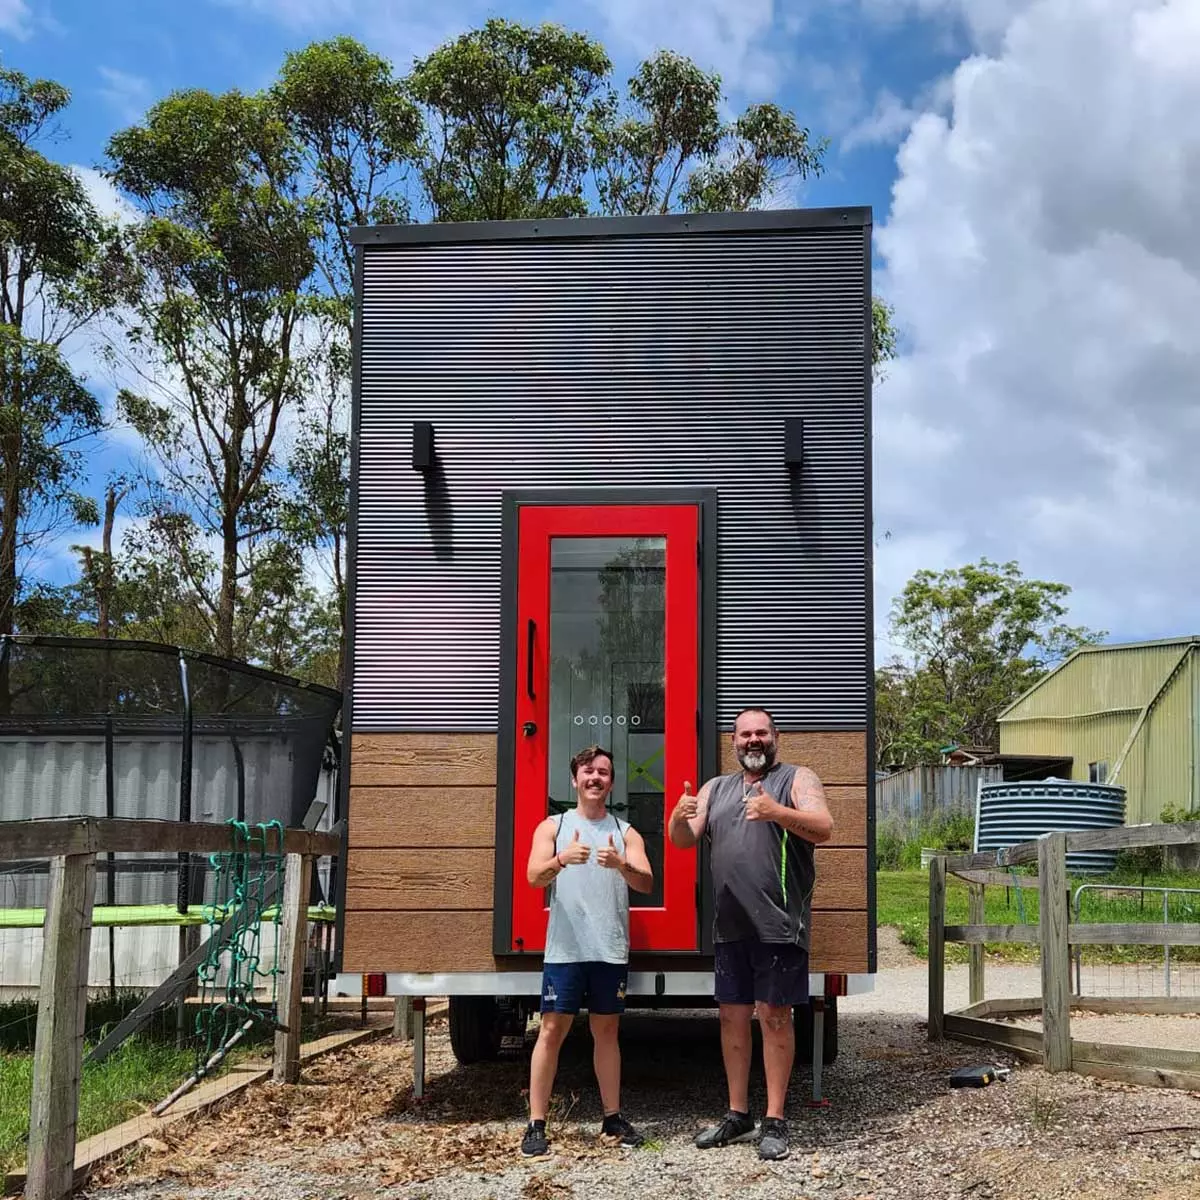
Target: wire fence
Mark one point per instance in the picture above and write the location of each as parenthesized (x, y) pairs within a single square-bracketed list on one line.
[(1137, 971)]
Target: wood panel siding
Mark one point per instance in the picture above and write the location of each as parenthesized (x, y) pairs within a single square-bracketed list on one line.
[(462, 941), (422, 815), (423, 759), (393, 817), (418, 880), (383, 817)]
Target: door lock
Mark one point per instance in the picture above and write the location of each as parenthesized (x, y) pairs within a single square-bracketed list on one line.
[(529, 728)]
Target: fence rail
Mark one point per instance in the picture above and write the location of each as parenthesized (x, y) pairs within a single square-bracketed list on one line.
[(72, 846), (1056, 935)]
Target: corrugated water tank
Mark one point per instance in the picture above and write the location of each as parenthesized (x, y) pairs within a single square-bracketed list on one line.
[(1009, 813)]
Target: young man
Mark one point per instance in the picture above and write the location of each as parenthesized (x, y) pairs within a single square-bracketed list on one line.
[(590, 860), (762, 822)]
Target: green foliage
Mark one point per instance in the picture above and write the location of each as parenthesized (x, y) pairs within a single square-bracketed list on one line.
[(900, 850), (883, 335), (359, 133), (506, 113), (977, 637), (763, 151), (227, 249), (60, 266)]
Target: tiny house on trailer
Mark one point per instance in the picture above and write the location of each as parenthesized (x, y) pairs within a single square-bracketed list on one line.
[(610, 483)]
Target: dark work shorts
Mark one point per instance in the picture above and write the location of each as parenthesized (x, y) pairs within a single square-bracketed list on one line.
[(597, 986), (754, 972)]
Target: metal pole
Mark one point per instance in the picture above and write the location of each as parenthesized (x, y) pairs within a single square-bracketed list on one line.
[(110, 891), (419, 1047), (1167, 948), (185, 782), (183, 882)]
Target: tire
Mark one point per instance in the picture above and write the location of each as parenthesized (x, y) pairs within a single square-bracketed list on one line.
[(803, 1017), (475, 1028)]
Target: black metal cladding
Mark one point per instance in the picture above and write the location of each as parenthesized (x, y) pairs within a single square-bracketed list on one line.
[(640, 359)]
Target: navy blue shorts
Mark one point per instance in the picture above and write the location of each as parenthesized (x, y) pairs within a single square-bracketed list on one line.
[(597, 986), (754, 972)]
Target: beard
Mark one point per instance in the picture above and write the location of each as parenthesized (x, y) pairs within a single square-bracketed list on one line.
[(757, 757)]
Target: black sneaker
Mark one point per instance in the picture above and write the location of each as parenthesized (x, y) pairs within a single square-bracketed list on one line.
[(534, 1143), (773, 1142), (731, 1127), (615, 1126)]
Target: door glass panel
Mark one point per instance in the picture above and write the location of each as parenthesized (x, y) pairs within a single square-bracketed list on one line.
[(607, 638)]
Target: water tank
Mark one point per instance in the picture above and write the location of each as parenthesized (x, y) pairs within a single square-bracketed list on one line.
[(1009, 813)]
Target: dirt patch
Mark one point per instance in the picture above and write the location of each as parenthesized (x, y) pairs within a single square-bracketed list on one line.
[(894, 1128)]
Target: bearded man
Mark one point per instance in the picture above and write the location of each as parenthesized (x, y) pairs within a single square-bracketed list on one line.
[(762, 822)]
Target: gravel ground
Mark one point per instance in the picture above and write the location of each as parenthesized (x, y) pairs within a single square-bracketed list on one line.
[(893, 1128)]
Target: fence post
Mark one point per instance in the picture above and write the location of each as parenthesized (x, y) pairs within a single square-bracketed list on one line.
[(975, 916), (937, 947), (297, 879), (58, 1043), (1053, 921)]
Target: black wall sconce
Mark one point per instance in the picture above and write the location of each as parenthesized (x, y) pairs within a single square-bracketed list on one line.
[(422, 445), (793, 441)]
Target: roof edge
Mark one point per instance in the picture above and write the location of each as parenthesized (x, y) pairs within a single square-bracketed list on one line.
[(755, 221), (1095, 648)]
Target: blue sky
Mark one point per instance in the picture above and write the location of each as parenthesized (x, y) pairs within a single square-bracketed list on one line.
[(1034, 167)]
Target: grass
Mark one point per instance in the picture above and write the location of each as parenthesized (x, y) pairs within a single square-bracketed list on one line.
[(902, 900), (139, 1073)]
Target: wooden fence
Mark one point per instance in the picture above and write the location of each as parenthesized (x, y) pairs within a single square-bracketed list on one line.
[(1055, 934), (72, 845)]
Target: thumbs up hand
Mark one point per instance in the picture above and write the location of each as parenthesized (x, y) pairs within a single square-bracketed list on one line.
[(688, 806), (760, 805), (610, 856), (576, 852)]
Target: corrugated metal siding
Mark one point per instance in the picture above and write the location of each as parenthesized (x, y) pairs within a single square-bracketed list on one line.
[(1096, 680), (909, 799), (64, 776), (1167, 749), (623, 362)]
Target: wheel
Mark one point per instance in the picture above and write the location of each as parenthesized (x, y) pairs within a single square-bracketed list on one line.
[(803, 1016), (475, 1028)]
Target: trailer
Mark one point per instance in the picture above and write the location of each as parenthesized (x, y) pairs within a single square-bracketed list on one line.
[(610, 483)]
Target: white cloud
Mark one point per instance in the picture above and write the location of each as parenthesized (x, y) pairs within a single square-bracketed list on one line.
[(1043, 258), (16, 19), (750, 43), (129, 95), (983, 21), (105, 198)]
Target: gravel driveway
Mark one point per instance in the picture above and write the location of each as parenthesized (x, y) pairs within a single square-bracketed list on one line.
[(893, 1129)]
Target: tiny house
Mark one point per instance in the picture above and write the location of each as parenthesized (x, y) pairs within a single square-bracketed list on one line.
[(610, 483)]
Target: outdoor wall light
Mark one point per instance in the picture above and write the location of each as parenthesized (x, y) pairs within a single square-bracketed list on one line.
[(793, 441), (422, 445)]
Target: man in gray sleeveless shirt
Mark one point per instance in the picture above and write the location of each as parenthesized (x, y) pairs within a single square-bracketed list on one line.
[(589, 859), (762, 822)]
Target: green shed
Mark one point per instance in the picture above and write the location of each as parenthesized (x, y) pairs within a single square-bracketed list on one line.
[(1127, 714)]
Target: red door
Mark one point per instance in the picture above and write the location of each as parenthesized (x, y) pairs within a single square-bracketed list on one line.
[(608, 600)]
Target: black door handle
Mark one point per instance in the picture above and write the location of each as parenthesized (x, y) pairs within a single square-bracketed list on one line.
[(530, 634)]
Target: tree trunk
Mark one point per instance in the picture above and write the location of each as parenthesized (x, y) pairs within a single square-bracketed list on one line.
[(228, 598), (10, 513), (104, 588)]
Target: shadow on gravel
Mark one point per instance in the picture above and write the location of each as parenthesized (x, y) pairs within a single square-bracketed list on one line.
[(673, 1081)]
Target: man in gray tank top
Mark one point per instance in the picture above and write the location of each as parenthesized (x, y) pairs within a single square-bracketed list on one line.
[(589, 859), (762, 823)]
